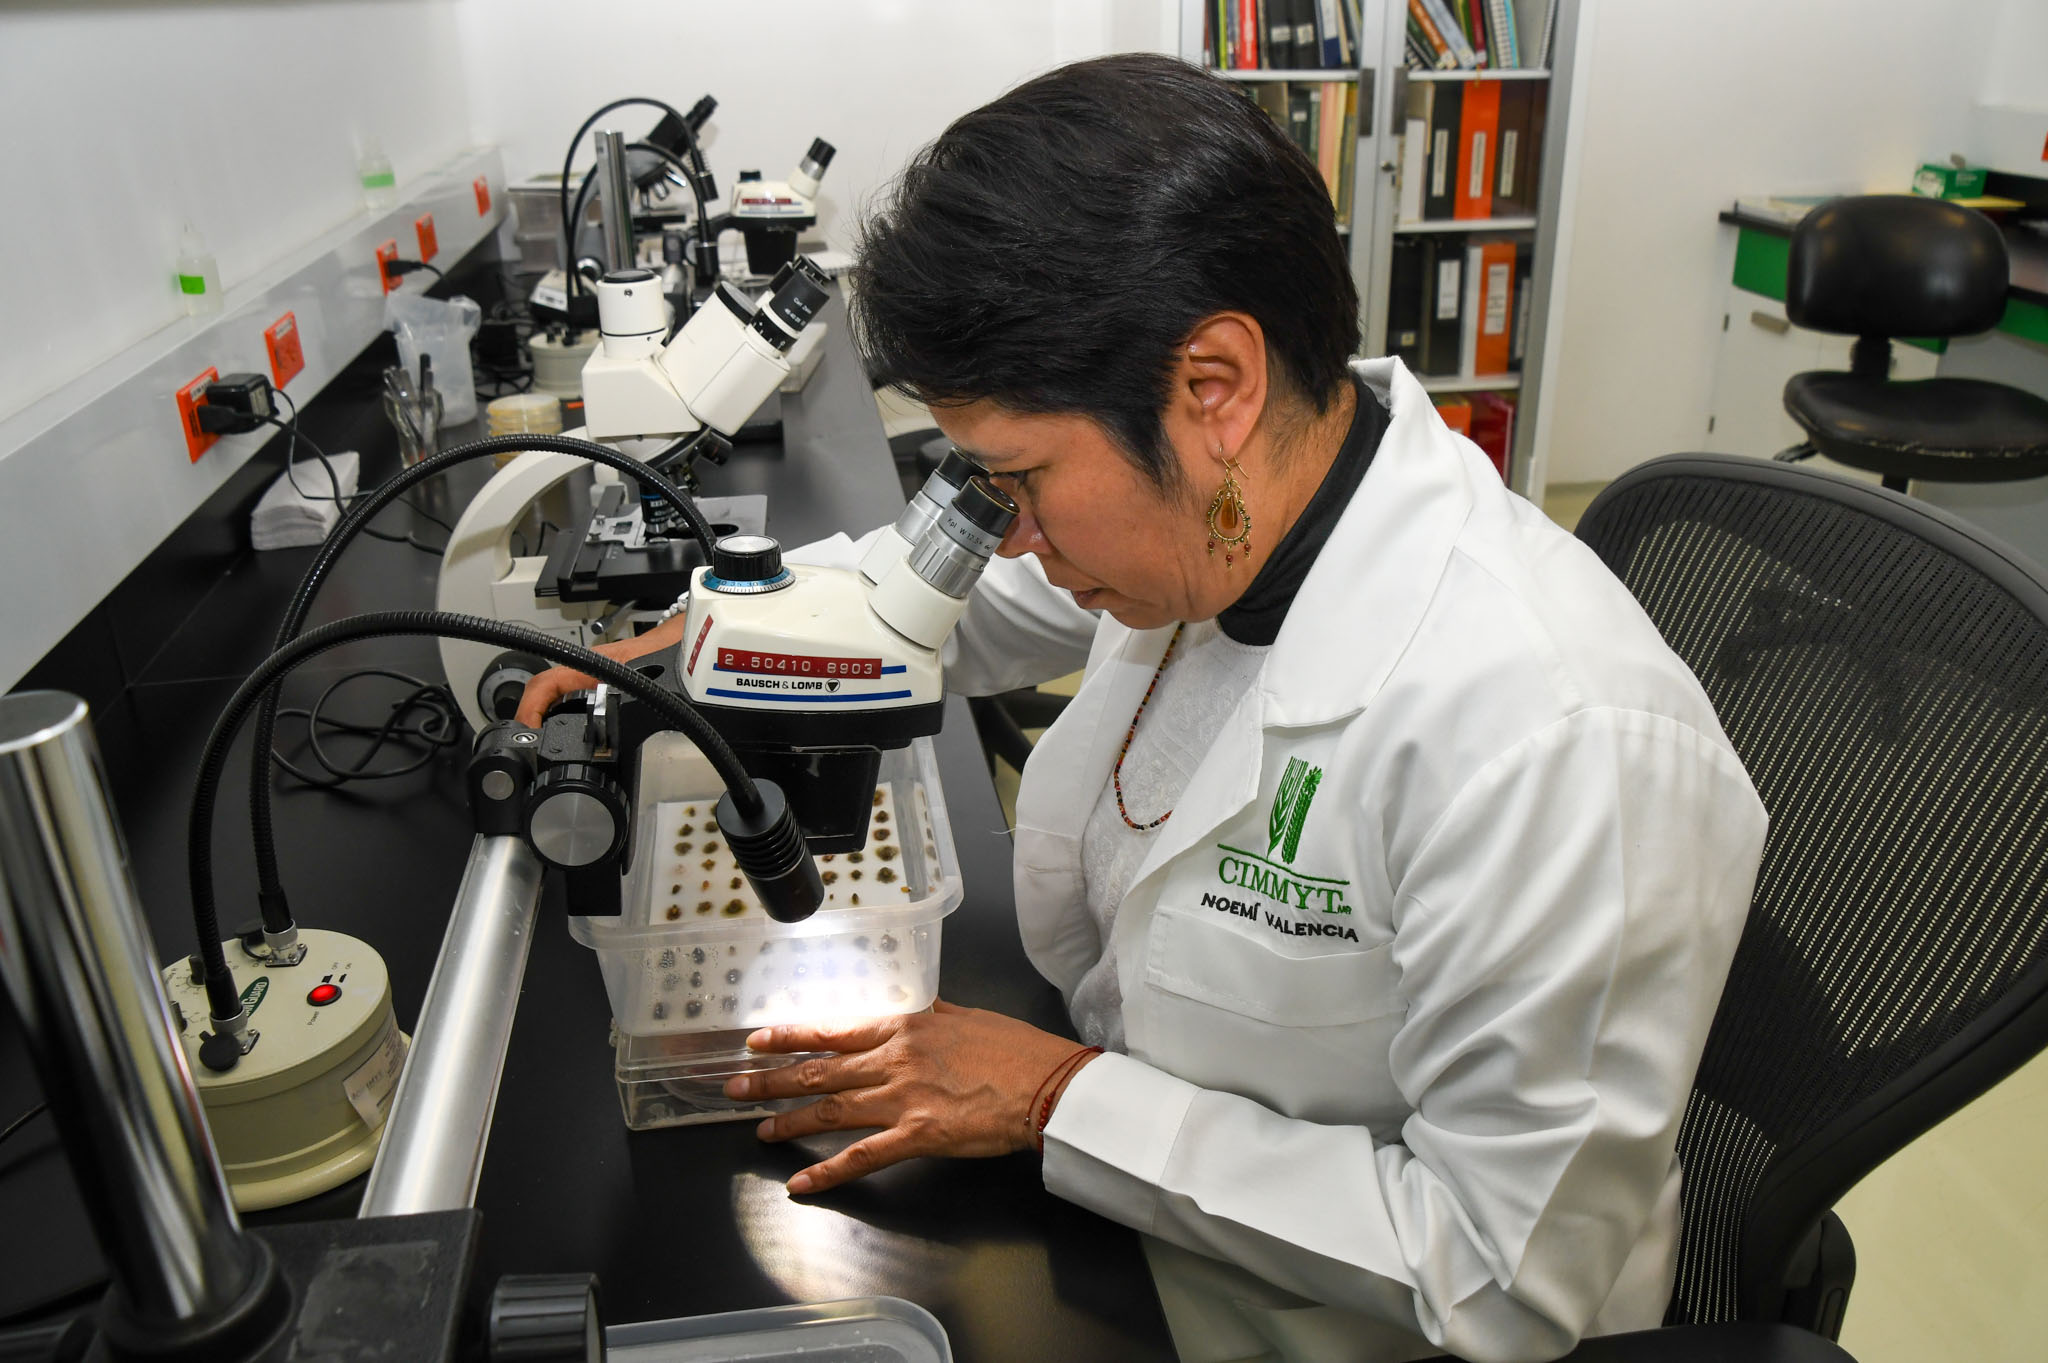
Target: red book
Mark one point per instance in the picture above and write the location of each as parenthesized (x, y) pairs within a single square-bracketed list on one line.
[(1478, 136), (1248, 34), (1495, 322), (1493, 428), (1457, 414)]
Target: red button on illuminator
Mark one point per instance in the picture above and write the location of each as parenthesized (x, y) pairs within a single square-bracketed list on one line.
[(323, 994)]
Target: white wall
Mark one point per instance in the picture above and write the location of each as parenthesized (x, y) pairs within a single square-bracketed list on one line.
[(125, 119), (876, 78), (1689, 105)]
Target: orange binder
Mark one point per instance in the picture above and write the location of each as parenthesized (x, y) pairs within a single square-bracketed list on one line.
[(1495, 322), (1478, 138), (1456, 414)]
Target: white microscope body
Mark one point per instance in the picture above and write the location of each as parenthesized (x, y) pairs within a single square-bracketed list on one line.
[(642, 391)]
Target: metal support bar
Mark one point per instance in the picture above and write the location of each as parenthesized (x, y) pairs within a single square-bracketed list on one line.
[(615, 199), (76, 959), (432, 1151)]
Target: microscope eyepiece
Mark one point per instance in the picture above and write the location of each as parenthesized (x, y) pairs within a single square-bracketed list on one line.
[(956, 468), (986, 507)]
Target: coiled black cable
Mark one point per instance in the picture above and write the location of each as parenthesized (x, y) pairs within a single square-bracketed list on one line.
[(262, 683), (270, 896), (426, 717)]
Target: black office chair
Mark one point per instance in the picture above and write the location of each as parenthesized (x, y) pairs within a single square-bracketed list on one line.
[(1877, 266), (1882, 668)]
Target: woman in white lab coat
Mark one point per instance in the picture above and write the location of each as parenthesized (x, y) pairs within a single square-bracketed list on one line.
[(1387, 853)]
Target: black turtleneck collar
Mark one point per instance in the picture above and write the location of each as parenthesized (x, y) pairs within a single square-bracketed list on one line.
[(1255, 617)]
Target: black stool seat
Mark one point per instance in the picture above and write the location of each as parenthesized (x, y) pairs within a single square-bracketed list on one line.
[(1948, 430)]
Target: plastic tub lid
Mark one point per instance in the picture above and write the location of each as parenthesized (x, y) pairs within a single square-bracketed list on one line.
[(859, 1330)]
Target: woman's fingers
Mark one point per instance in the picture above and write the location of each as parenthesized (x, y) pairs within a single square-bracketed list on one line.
[(545, 689), (861, 1035), (853, 1110), (818, 1074), (863, 1157)]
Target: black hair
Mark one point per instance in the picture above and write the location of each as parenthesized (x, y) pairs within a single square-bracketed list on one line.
[(1052, 251)]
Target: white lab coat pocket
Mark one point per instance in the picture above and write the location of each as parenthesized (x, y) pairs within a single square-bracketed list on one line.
[(1305, 1034)]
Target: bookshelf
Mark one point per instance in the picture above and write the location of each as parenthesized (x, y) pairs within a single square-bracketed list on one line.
[(1388, 94)]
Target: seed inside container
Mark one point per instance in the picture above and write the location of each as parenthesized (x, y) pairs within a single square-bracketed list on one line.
[(854, 874), (882, 816), (709, 863), (686, 830), (854, 898), (692, 1008), (885, 875), (732, 976), (683, 848), (735, 907), (828, 876), (885, 852), (697, 955), (878, 799), (703, 906), (711, 846), (854, 857), (675, 911), (735, 883)]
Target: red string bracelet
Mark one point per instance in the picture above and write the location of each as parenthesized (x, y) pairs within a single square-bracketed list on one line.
[(1049, 1091)]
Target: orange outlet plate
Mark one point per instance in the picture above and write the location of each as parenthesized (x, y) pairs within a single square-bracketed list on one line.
[(387, 253), (287, 356), (483, 194), (430, 245), (197, 442)]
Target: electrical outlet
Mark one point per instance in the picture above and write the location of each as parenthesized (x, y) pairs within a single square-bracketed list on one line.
[(387, 253), (287, 356), (430, 245), (197, 442), (483, 194)]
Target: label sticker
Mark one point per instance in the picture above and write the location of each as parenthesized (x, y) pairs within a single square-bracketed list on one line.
[(698, 647), (370, 1088), (483, 195)]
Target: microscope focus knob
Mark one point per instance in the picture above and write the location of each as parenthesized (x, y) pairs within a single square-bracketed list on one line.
[(545, 1318), (575, 816), (747, 563)]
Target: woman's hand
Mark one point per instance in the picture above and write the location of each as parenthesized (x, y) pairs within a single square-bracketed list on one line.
[(954, 1081), (550, 686)]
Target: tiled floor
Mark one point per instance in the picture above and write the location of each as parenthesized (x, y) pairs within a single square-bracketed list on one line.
[(1951, 1234)]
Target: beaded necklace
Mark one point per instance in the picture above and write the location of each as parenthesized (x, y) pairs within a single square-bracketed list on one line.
[(1116, 776)]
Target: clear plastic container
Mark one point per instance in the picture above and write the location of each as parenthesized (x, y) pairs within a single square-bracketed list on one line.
[(860, 1330), (693, 963)]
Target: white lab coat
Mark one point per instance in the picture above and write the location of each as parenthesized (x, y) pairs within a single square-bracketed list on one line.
[(1411, 1062)]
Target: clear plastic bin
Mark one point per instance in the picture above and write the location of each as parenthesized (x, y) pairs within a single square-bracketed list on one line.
[(693, 963), (862, 1330)]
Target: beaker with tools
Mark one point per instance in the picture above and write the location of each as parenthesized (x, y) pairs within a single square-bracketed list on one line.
[(415, 408)]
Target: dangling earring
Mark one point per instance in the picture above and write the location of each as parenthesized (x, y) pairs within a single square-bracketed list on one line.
[(1230, 524)]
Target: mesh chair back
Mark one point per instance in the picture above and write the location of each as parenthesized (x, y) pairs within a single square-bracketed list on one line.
[(1883, 672)]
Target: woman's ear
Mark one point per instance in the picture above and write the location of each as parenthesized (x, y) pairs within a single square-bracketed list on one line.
[(1220, 387)]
